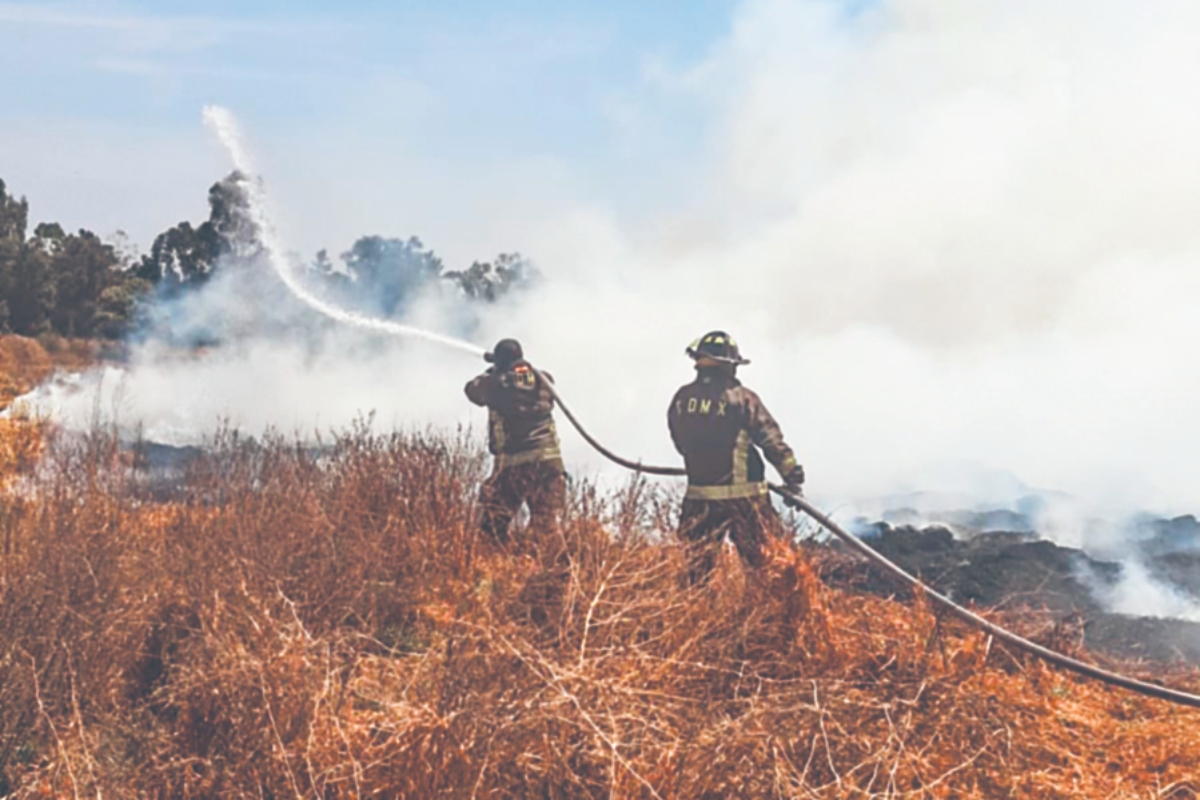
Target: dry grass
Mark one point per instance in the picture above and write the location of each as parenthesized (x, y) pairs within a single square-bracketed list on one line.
[(328, 625), (24, 362)]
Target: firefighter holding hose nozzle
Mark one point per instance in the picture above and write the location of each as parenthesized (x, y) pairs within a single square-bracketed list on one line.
[(527, 464), (719, 426)]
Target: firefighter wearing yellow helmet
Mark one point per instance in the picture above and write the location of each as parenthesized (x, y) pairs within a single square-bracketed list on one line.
[(719, 426)]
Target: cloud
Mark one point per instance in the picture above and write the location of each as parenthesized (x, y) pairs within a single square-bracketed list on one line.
[(47, 40), (164, 68), (143, 33), (152, 28)]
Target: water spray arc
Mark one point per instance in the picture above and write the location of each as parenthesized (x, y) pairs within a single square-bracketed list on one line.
[(224, 126)]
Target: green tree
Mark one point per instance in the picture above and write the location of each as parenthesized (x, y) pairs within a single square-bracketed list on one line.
[(181, 255), (26, 289), (82, 268), (29, 291), (117, 305), (489, 281), (383, 272), (186, 256), (73, 284), (14, 216)]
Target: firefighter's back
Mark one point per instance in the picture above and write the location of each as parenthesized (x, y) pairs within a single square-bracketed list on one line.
[(707, 419)]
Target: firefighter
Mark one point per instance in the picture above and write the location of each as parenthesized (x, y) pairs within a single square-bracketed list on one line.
[(719, 426), (527, 465)]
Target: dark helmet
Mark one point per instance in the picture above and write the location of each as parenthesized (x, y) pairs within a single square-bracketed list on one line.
[(506, 353), (718, 346)]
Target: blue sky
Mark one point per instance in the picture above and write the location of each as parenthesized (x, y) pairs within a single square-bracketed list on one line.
[(153, 63), (467, 82)]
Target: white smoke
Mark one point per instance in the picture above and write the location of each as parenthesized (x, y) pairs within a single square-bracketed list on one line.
[(1139, 593), (947, 234), (944, 233)]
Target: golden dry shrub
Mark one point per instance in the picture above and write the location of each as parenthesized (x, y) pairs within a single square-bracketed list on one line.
[(326, 622), (21, 446), (25, 362)]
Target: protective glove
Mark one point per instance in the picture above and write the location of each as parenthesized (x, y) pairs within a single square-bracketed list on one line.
[(793, 483)]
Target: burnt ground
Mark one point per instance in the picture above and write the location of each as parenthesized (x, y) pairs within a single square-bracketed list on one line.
[(1015, 570)]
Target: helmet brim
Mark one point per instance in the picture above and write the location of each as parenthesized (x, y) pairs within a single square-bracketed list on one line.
[(696, 355)]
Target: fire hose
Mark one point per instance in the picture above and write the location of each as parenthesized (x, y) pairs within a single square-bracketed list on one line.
[(862, 548)]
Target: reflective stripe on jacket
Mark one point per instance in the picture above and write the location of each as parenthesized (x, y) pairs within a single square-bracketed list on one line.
[(549, 453), (718, 426)]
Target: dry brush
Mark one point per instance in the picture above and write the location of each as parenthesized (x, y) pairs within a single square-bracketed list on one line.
[(324, 622)]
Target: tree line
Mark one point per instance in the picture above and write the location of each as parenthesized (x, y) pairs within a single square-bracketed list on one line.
[(78, 285)]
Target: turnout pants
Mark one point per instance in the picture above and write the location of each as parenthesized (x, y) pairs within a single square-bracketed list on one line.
[(541, 484), (704, 524)]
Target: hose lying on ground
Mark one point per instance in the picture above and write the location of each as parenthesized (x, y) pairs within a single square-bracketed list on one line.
[(972, 618), (797, 501)]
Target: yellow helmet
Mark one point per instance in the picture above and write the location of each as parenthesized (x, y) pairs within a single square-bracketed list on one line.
[(718, 346)]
